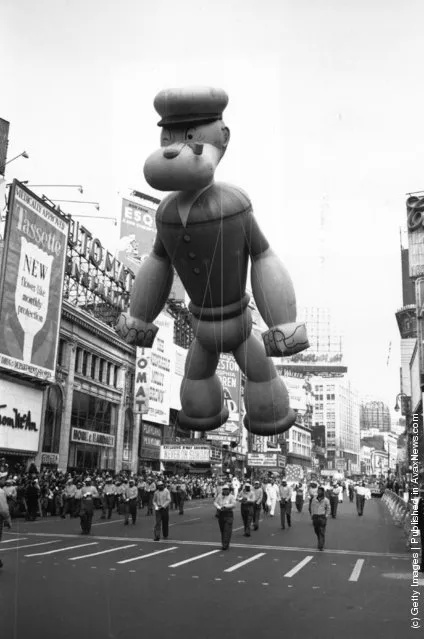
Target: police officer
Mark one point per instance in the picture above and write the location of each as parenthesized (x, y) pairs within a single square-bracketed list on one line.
[(225, 504), (130, 497), (88, 494), (108, 497), (161, 501), (247, 499)]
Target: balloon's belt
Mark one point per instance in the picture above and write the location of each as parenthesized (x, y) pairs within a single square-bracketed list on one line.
[(220, 313)]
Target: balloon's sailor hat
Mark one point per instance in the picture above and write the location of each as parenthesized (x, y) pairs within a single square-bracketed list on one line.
[(190, 104)]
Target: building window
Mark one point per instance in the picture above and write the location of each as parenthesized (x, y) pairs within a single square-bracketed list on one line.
[(53, 420), (101, 369), (84, 362), (78, 356), (93, 366), (61, 352), (115, 376)]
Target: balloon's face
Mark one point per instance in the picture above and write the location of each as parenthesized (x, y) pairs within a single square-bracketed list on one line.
[(187, 158)]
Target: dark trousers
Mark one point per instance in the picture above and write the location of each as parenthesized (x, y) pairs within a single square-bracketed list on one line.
[(131, 509), (162, 519), (150, 503), (360, 503), (247, 517), (285, 512), (68, 507), (225, 520), (180, 502), (299, 503), (86, 521), (319, 523), (334, 502), (32, 504), (108, 502), (351, 495), (256, 515)]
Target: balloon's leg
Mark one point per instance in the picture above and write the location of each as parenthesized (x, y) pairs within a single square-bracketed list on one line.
[(266, 398), (201, 394)]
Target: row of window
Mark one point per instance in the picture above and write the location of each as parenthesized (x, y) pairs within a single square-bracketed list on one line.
[(96, 368)]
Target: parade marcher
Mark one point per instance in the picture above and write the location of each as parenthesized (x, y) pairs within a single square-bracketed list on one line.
[(351, 491), (181, 491), (312, 492), (247, 499), (259, 493), (420, 525), (300, 497), (151, 489), (173, 491), (361, 492), (225, 504), (5, 519), (108, 497), (235, 482), (334, 499), (69, 499), (130, 497), (11, 496), (161, 501), (320, 509), (32, 495), (88, 494), (141, 488), (285, 497), (273, 494), (78, 497)]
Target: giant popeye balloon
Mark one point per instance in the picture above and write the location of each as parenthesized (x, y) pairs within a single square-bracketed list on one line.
[(207, 231)]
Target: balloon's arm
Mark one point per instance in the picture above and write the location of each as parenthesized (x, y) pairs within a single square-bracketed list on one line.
[(150, 291)]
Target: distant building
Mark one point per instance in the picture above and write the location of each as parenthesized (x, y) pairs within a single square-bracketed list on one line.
[(375, 414)]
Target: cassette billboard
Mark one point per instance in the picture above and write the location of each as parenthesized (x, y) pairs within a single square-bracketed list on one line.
[(31, 283)]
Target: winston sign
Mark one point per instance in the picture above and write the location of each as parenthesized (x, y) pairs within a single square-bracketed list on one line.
[(32, 272)]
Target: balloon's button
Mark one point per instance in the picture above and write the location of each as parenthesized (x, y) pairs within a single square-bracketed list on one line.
[(192, 255), (186, 238), (196, 271)]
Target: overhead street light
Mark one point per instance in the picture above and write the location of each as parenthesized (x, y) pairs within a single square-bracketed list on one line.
[(97, 205), (76, 186), (24, 154), (397, 407)]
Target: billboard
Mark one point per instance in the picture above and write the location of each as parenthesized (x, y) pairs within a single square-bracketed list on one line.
[(230, 376), (154, 369), (20, 416), (4, 140), (297, 392), (31, 283), (265, 460), (184, 452), (415, 224), (177, 377)]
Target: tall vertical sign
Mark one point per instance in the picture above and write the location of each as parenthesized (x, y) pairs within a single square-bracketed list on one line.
[(4, 141), (31, 283)]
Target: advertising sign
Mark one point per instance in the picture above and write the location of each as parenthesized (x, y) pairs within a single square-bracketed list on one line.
[(4, 136), (415, 223), (297, 393), (92, 437), (266, 460), (176, 452), (177, 377), (138, 232), (154, 369), (229, 374), (20, 416), (32, 273), (49, 459)]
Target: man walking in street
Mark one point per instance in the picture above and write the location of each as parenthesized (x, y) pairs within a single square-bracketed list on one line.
[(320, 509), (161, 501), (130, 502), (247, 499), (151, 489), (360, 498), (273, 495), (181, 491), (4, 508), (225, 504), (69, 499), (257, 506), (88, 494), (285, 504), (334, 499), (300, 497)]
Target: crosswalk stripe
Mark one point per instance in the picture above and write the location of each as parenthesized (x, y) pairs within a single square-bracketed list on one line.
[(186, 561), (356, 570), (184, 521), (298, 566), (102, 552), (158, 552), (8, 541), (246, 561), (43, 543), (52, 552)]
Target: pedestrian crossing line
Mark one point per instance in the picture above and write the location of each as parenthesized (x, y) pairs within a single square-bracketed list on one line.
[(102, 552), (53, 552), (151, 554), (186, 561), (9, 541), (43, 543), (356, 570), (246, 561), (184, 521), (298, 567)]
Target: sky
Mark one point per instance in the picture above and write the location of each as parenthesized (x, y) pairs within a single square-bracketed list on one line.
[(326, 119)]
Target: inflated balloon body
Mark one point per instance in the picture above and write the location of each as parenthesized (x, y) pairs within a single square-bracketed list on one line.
[(206, 230)]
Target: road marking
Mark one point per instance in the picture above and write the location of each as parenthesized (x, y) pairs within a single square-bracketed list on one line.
[(158, 552), (52, 552), (9, 541), (55, 541), (187, 561), (184, 521), (104, 523), (298, 567), (356, 570), (403, 556), (102, 552), (243, 563)]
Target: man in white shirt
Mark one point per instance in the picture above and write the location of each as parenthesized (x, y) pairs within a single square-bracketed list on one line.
[(247, 499), (236, 486), (320, 508), (361, 494), (225, 504), (130, 502), (161, 501), (273, 494), (285, 497)]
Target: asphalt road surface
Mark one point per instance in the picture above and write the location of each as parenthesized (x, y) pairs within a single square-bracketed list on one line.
[(118, 583)]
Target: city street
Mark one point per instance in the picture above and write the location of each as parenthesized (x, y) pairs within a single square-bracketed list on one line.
[(118, 581)]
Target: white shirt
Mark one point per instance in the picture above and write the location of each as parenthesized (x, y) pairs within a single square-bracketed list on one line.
[(273, 492)]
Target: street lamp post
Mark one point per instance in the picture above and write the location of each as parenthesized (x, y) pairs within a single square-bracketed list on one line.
[(24, 154)]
